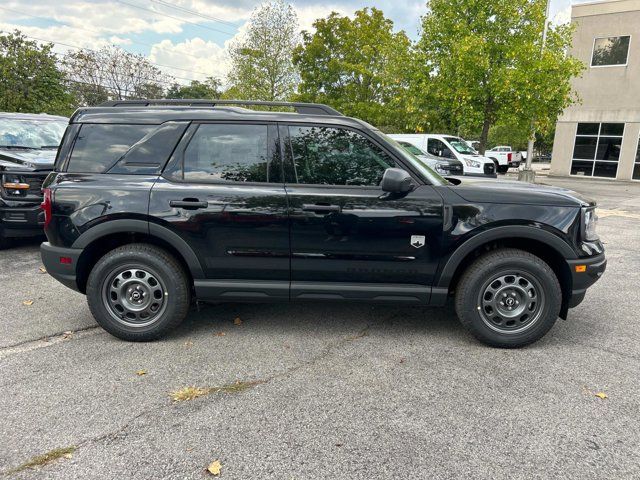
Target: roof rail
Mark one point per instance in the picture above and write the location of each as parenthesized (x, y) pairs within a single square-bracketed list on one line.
[(299, 107)]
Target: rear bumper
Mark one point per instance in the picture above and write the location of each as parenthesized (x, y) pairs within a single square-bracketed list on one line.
[(65, 273), (21, 221), (594, 268)]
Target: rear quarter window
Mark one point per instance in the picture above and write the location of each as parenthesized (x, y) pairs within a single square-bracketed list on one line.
[(99, 146)]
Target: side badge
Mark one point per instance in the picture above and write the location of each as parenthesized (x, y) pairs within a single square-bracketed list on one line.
[(417, 241)]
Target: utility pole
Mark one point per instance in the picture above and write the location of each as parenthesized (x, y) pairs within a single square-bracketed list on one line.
[(527, 174)]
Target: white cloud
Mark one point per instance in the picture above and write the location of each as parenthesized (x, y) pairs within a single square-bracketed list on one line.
[(202, 58)]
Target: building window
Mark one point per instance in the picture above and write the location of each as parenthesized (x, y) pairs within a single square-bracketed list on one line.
[(636, 165), (597, 149), (610, 51)]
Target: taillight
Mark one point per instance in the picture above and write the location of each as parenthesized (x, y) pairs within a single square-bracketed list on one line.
[(46, 205), (509, 157)]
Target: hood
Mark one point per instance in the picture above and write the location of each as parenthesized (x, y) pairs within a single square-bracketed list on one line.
[(477, 157), (496, 191), (32, 159)]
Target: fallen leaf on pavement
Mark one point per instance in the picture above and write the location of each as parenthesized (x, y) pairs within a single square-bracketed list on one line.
[(220, 334), (214, 468), (43, 270), (237, 321), (141, 372), (602, 395), (188, 343), (28, 303), (188, 393), (67, 334)]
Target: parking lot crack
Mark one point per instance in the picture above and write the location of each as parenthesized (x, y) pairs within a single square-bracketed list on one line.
[(48, 341)]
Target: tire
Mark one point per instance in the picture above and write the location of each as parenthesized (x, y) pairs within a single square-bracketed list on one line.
[(4, 242), (508, 298), (138, 292), (503, 169)]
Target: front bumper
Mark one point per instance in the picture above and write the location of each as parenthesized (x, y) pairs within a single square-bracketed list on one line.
[(21, 220), (65, 272), (594, 267)]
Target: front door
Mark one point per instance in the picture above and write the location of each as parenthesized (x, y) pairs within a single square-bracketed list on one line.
[(223, 194), (350, 240)]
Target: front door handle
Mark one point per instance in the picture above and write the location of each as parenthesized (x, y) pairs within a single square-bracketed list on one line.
[(188, 203), (321, 208)]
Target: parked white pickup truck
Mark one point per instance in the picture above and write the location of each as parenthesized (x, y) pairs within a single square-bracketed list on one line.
[(505, 156)]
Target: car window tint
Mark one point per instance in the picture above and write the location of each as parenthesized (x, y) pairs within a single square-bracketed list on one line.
[(228, 152), (435, 147), (99, 146), (336, 156)]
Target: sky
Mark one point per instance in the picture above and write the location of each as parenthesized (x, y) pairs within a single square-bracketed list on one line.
[(187, 39)]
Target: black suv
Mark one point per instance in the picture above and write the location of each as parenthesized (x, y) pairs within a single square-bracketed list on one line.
[(28, 145), (154, 203)]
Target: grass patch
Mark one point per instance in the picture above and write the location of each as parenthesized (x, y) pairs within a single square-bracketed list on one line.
[(45, 459), (191, 393)]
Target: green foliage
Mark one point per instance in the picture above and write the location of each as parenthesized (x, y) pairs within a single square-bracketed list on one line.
[(210, 88), (262, 67), (359, 66), (30, 80), (482, 64)]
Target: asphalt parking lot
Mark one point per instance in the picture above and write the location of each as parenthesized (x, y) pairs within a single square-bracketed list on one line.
[(325, 391)]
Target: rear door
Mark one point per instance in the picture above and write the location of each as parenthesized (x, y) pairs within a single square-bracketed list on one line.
[(350, 240), (223, 193)]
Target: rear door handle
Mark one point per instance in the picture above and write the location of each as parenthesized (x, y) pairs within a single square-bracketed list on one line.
[(189, 203), (321, 208)]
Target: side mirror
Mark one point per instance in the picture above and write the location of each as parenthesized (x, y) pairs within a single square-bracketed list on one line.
[(396, 180)]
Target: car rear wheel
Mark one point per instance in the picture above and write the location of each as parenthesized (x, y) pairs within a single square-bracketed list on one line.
[(502, 168), (138, 292), (4, 242), (508, 298)]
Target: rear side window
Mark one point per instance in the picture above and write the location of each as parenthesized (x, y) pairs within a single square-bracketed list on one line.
[(230, 152), (99, 146)]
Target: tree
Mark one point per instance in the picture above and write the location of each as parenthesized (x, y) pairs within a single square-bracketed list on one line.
[(113, 73), (261, 60), (30, 80), (483, 64), (210, 88), (359, 66)]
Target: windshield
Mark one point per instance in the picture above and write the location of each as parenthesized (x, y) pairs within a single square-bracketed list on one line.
[(422, 167), (31, 133), (460, 145), (411, 148)]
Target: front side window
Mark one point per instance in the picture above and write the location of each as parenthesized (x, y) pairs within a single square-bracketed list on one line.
[(336, 156), (228, 152), (436, 147), (99, 146), (411, 148), (597, 149), (610, 51)]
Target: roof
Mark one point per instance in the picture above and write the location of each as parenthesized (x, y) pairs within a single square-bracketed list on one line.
[(33, 116), (600, 7), (155, 115)]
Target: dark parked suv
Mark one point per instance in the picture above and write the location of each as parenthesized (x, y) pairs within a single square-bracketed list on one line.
[(155, 203)]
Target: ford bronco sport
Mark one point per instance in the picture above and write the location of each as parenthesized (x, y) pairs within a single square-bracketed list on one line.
[(155, 203)]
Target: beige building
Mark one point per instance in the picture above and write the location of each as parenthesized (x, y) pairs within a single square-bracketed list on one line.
[(599, 136)]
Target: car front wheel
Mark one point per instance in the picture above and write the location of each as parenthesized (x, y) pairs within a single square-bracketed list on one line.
[(508, 298), (138, 292)]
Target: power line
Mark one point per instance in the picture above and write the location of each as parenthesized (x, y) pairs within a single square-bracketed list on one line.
[(193, 12), (93, 31), (174, 18), (94, 51), (132, 41)]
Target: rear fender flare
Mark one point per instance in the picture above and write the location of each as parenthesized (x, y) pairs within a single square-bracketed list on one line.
[(141, 226)]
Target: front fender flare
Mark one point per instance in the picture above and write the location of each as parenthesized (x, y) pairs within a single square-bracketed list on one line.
[(497, 233)]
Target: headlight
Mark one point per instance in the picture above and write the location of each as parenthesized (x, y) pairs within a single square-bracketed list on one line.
[(472, 163), (589, 221), (442, 167)]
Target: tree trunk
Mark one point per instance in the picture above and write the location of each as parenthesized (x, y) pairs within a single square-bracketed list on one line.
[(484, 135)]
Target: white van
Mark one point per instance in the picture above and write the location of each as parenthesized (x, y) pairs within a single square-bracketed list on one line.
[(449, 146)]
